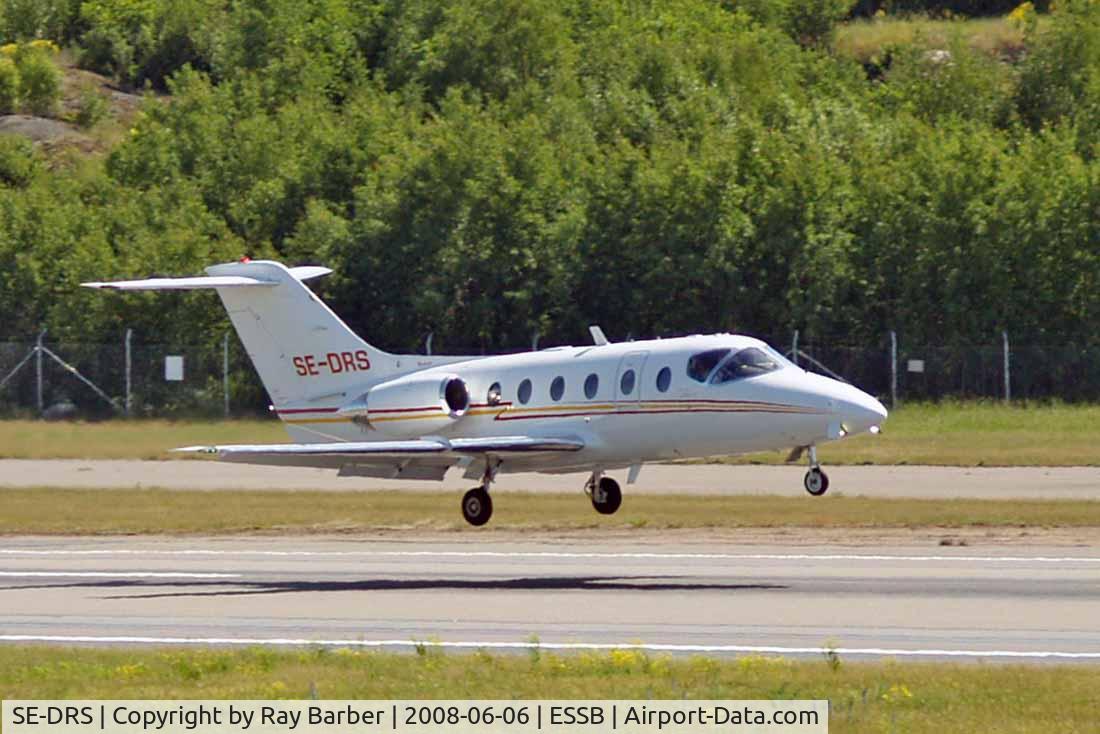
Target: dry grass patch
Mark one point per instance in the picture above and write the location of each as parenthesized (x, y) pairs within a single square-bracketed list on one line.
[(866, 39), (151, 511)]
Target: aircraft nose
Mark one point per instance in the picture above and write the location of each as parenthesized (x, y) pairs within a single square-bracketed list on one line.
[(859, 411)]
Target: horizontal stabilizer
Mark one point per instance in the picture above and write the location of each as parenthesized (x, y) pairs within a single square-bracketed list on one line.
[(309, 272), (302, 273), (182, 284)]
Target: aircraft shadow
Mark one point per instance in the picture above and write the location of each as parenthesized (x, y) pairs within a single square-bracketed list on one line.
[(232, 587)]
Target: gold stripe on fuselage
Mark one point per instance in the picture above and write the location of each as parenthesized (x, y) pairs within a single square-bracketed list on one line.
[(576, 410)]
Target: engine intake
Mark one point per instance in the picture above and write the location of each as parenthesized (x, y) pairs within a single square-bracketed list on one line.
[(456, 395), (412, 406)]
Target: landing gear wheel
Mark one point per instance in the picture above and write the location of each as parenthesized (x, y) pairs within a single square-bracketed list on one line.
[(606, 496), (477, 506), (816, 482)]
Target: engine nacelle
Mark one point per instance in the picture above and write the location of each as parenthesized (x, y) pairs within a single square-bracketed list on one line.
[(417, 405)]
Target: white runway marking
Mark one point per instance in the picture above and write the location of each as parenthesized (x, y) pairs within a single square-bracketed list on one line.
[(555, 554), (465, 645), (117, 575)]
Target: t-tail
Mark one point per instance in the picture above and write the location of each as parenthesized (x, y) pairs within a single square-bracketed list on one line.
[(307, 358)]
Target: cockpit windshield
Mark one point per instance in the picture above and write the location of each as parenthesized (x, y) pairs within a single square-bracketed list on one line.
[(747, 362), (701, 364)]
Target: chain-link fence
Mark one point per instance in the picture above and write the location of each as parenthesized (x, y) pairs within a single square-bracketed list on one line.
[(99, 380)]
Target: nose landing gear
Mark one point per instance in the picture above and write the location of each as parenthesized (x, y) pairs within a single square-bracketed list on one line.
[(816, 481), (605, 493)]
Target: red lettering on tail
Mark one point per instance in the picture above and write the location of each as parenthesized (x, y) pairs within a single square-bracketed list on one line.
[(307, 365)]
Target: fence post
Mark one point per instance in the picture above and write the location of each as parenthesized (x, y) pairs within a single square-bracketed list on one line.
[(225, 373), (428, 343), (38, 368), (129, 369), (794, 348), (893, 369), (535, 342), (1008, 374)]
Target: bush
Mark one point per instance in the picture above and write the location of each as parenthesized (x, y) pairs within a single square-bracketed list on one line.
[(812, 22), (22, 20), (105, 51), (92, 109), (40, 80), (1064, 59), (9, 86), (18, 164)]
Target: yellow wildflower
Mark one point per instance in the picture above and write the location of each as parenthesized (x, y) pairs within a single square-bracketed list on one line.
[(1023, 14), (43, 44)]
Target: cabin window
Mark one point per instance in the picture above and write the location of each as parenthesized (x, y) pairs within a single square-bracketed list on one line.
[(494, 395), (557, 388), (664, 379), (626, 384), (701, 364), (524, 392), (591, 385), (748, 362)]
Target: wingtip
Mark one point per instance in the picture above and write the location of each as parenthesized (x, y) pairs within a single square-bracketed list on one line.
[(195, 450)]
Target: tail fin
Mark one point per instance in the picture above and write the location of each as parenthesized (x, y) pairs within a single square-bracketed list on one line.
[(301, 349)]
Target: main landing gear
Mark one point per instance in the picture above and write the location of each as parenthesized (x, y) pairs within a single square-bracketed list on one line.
[(604, 492), (477, 505), (816, 481)]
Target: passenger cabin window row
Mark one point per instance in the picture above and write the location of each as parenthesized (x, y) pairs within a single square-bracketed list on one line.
[(591, 387), (714, 366)]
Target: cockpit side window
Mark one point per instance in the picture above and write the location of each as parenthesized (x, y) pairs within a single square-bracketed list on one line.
[(747, 362), (700, 365)]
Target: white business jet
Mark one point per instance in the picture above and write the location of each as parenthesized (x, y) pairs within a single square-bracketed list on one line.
[(350, 406)]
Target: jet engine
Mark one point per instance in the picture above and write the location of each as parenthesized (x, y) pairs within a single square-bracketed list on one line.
[(412, 406)]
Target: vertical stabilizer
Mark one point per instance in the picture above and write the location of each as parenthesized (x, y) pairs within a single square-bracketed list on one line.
[(302, 351)]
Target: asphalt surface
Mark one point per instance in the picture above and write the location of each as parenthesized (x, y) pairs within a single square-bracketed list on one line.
[(873, 481), (1018, 603)]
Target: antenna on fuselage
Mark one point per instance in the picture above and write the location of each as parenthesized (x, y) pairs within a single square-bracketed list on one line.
[(598, 337)]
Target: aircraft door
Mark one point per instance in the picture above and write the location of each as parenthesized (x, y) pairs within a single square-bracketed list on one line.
[(628, 381)]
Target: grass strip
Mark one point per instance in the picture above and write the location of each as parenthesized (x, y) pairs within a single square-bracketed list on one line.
[(947, 434), (127, 511), (865, 697)]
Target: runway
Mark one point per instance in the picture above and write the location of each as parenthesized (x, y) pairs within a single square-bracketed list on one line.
[(1019, 603), (931, 482)]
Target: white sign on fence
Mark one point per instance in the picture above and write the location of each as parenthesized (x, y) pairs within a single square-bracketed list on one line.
[(173, 368), (916, 365)]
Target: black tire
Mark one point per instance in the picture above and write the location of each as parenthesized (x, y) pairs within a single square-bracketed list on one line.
[(608, 497), (477, 506), (816, 482)]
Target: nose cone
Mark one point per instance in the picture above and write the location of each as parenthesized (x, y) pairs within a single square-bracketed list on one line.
[(859, 411)]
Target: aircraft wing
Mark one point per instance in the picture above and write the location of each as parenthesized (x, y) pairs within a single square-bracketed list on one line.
[(424, 458)]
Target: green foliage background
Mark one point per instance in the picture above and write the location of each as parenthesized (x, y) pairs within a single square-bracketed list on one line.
[(487, 168)]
